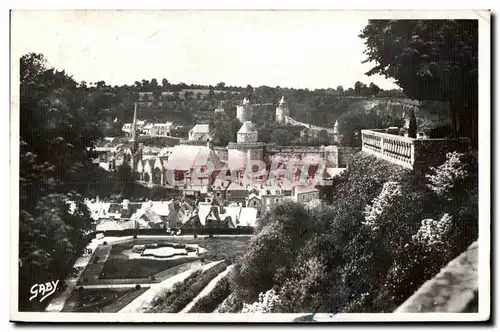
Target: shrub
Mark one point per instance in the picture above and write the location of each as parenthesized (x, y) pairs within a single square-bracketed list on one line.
[(367, 251), (182, 295), (135, 236), (209, 303), (195, 236), (105, 243), (81, 288), (266, 303), (137, 287)]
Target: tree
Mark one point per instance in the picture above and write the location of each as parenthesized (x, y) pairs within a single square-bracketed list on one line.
[(58, 127), (374, 89), (412, 129), (220, 86), (125, 180), (154, 84), (340, 90), (281, 137), (358, 87), (164, 83), (145, 85), (430, 60)]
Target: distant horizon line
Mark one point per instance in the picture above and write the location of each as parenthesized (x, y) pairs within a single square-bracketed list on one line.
[(50, 65)]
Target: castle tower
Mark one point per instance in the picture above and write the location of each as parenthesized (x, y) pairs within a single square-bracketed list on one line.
[(244, 111), (247, 133), (336, 132), (246, 150), (282, 111)]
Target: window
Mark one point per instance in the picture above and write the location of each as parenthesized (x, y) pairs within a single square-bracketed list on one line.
[(218, 194), (277, 200), (254, 203)]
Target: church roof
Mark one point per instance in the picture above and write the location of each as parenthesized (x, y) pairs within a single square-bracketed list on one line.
[(201, 128), (186, 157), (247, 128)]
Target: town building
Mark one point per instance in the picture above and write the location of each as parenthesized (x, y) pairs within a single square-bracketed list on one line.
[(200, 132)]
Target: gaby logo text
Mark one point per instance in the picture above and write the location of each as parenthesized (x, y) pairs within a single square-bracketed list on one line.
[(44, 290)]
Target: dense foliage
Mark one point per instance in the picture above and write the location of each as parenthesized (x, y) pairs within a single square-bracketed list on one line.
[(430, 60), (212, 300), (57, 125), (387, 231)]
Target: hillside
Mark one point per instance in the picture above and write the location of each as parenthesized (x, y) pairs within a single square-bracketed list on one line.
[(387, 232)]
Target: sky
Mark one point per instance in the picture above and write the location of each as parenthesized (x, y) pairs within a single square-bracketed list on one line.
[(299, 49)]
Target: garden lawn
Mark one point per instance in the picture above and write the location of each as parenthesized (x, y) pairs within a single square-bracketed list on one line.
[(119, 266), (101, 300)]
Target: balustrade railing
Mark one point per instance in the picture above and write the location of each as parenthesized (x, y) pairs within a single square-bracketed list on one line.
[(408, 152), (396, 149)]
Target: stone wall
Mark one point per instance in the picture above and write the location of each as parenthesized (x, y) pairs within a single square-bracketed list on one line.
[(221, 152), (346, 154), (453, 290)]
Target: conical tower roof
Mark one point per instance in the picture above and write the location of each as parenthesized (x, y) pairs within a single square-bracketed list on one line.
[(282, 101), (246, 128)]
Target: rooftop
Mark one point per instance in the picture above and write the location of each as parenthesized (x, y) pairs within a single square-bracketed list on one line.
[(247, 128), (201, 128)]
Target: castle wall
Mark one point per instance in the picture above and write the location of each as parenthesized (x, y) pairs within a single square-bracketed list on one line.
[(247, 137), (221, 152), (294, 151)]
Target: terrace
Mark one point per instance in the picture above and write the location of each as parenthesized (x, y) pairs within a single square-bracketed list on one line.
[(412, 153)]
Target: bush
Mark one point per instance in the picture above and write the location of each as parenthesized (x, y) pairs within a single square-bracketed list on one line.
[(184, 293), (105, 243), (81, 288), (195, 236), (135, 236), (368, 250), (137, 287), (209, 303)]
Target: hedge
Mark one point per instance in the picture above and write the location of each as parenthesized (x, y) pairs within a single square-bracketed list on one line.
[(211, 301), (187, 231), (181, 295)]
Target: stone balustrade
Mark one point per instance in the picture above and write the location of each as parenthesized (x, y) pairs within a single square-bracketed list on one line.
[(409, 152)]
